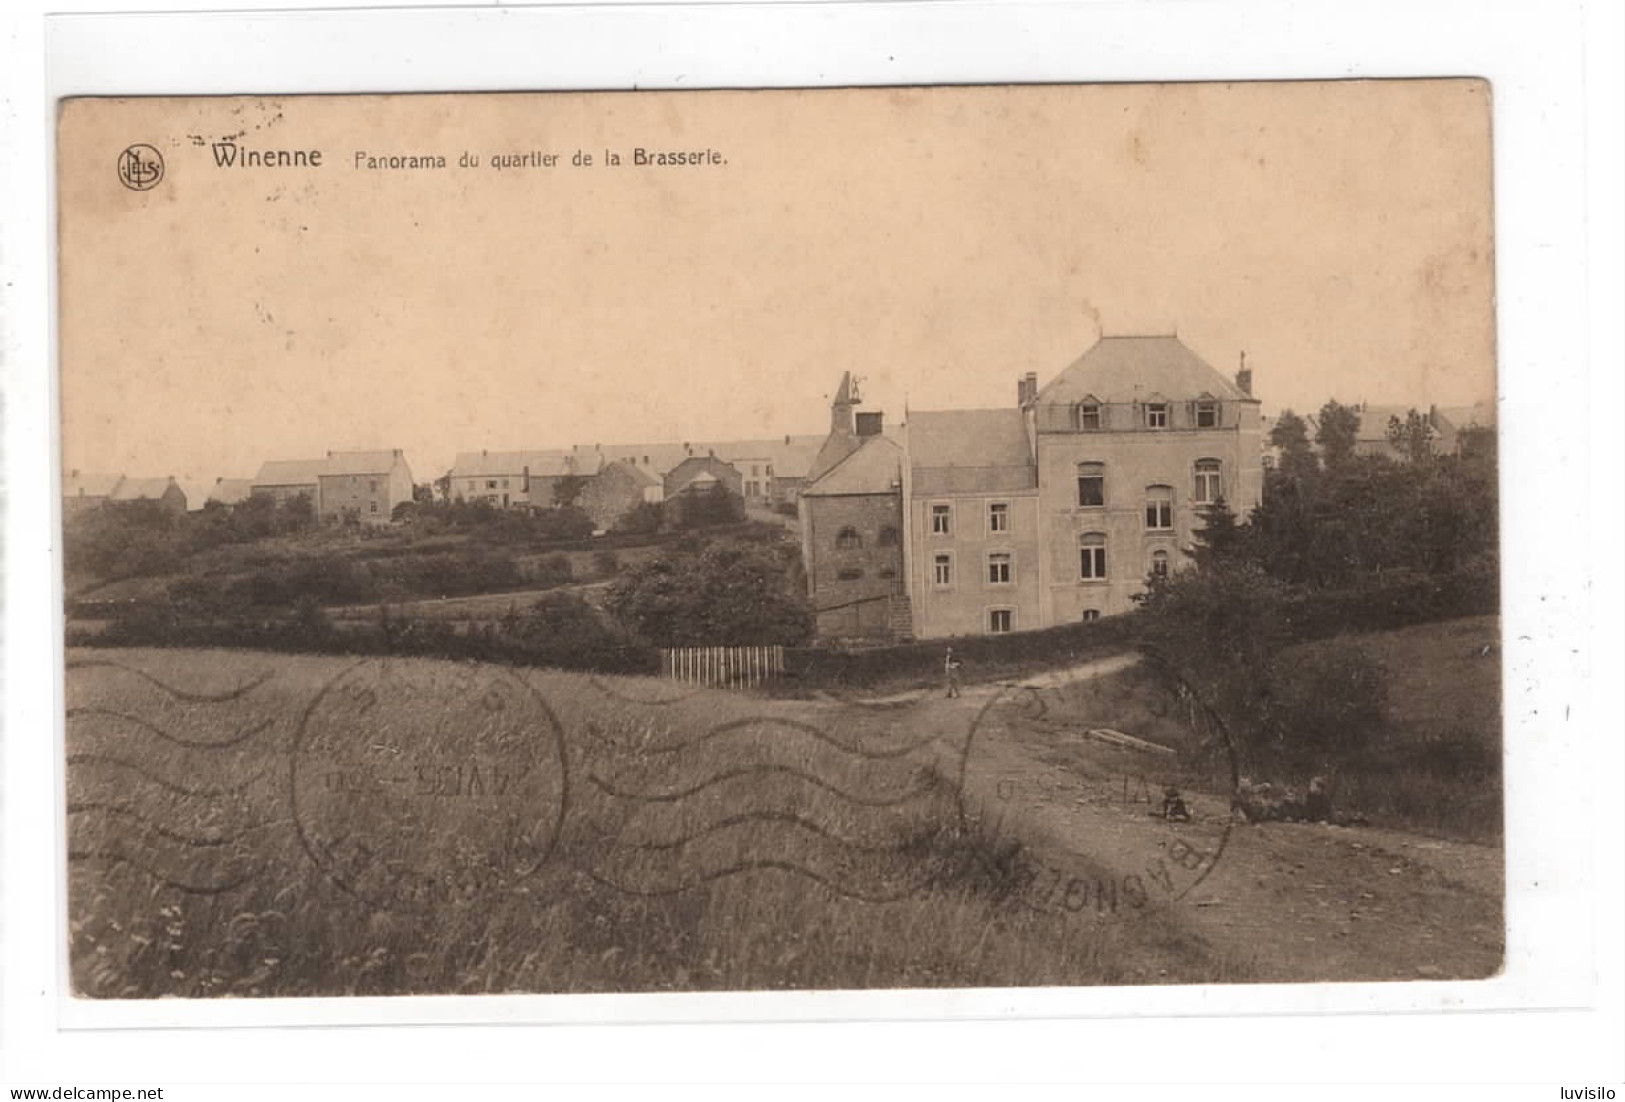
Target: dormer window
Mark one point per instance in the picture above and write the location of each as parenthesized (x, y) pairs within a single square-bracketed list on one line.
[(1156, 415), (1207, 414), (1089, 415)]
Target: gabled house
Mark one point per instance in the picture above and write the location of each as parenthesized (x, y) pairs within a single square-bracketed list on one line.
[(852, 529), (702, 472), (165, 491), (508, 479), (230, 491), (615, 490), (1053, 511), (82, 490), (364, 486), (285, 479)]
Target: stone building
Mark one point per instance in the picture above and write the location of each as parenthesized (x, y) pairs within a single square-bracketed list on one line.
[(365, 486), (851, 528), (1049, 512)]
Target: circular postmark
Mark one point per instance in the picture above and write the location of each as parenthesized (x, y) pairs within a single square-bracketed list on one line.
[(417, 784), (140, 167), (1127, 825)]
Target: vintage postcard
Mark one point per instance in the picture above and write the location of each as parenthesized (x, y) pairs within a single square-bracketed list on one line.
[(849, 539)]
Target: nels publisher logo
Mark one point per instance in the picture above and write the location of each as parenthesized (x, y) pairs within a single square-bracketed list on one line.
[(140, 167)]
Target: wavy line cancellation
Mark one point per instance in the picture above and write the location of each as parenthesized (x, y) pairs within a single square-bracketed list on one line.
[(127, 812), (794, 725), (919, 790), (181, 790), (762, 865), (768, 817), (194, 744), (179, 694)]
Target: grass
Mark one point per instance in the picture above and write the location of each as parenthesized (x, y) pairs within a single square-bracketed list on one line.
[(1436, 764), (695, 854), (1433, 767)]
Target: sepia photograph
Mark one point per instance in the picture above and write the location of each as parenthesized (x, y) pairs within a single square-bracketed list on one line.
[(840, 539)]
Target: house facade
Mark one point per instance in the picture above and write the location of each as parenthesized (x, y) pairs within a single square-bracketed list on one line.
[(365, 485), (852, 531), (1053, 511), (507, 479), (84, 490), (165, 491), (972, 492), (285, 479), (615, 490), (701, 472)]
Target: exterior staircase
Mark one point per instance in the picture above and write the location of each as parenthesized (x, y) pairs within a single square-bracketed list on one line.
[(900, 617)]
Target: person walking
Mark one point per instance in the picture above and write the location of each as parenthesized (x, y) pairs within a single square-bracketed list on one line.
[(950, 670)]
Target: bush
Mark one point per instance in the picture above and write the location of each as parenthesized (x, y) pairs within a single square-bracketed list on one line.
[(553, 570), (606, 563), (1325, 706), (643, 519), (723, 594)]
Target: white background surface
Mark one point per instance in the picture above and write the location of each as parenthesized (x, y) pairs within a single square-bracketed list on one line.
[(1556, 70)]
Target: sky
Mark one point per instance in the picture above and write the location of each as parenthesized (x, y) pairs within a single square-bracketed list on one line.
[(937, 242)]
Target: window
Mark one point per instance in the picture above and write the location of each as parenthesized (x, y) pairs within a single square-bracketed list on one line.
[(999, 566), (373, 507), (1156, 415), (1000, 620), (1090, 615), (888, 536), (1093, 546), (1089, 416), (373, 485), (942, 569), (1269, 462), (942, 520), (504, 484), (1207, 415), (848, 539), (1159, 508), (998, 517), (490, 484), (471, 485), (849, 574), (1208, 488), (1091, 485), (1159, 564), (887, 572)]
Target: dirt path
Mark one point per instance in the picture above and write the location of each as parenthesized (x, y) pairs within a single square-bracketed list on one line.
[(1293, 902)]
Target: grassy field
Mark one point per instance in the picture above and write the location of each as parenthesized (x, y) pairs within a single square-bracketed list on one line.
[(1436, 765), (251, 824)]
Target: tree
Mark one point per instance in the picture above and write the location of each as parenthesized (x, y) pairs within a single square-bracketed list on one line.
[(724, 594), (1412, 437), (298, 513), (442, 486), (703, 508), (1220, 540), (1290, 433), (568, 490), (1338, 431), (423, 492), (642, 519)]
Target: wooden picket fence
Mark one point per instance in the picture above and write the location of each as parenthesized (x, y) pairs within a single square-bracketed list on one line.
[(722, 667)]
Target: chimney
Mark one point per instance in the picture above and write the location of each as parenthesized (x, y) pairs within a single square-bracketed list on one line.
[(1244, 377), (871, 424), (787, 438)]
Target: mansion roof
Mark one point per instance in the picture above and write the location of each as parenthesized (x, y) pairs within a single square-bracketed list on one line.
[(1134, 369)]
